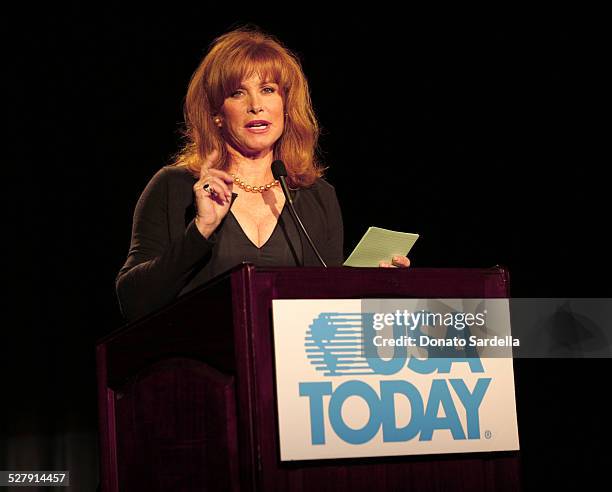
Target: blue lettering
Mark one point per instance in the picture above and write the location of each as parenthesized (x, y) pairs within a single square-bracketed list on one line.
[(439, 412), (344, 432), (442, 364), (387, 391), (440, 395), (471, 402), (315, 392)]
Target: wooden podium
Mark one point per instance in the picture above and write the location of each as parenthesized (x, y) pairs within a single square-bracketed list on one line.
[(187, 394)]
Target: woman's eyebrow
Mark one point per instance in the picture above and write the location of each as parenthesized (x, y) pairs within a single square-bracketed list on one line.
[(261, 84)]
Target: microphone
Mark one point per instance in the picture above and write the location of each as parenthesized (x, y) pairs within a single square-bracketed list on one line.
[(279, 171)]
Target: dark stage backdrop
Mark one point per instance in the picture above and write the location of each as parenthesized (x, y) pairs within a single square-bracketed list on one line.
[(484, 136)]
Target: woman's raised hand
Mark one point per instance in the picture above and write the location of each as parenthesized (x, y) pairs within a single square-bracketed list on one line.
[(213, 195)]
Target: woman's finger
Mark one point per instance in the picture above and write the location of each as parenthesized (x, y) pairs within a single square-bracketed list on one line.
[(209, 161), (401, 261), (217, 187)]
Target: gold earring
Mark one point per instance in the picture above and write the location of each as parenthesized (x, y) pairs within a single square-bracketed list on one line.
[(218, 121)]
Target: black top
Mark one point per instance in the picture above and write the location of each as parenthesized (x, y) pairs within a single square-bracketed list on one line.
[(232, 246), (169, 257)]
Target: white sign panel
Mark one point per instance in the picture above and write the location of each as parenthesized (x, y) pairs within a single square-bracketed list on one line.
[(338, 399)]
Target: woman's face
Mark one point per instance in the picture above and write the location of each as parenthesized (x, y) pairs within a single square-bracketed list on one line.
[(253, 117)]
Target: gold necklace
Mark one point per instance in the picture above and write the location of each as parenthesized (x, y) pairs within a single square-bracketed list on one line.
[(254, 189)]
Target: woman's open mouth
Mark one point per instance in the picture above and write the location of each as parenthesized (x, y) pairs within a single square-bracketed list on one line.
[(258, 126)]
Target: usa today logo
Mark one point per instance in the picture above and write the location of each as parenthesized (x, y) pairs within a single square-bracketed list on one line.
[(334, 346), (335, 399)]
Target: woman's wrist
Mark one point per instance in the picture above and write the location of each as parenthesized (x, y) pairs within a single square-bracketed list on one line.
[(205, 228)]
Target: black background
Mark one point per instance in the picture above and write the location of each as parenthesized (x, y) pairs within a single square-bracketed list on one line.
[(482, 133)]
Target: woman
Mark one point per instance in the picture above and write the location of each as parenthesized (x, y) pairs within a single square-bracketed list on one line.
[(218, 205)]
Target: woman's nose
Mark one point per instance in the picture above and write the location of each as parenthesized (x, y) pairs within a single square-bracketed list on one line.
[(255, 105)]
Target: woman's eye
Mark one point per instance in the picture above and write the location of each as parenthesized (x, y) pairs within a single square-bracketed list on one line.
[(236, 94), (268, 90)]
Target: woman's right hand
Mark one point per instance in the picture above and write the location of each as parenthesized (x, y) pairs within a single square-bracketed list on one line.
[(212, 205)]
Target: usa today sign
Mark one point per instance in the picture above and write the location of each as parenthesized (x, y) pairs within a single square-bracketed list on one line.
[(336, 399)]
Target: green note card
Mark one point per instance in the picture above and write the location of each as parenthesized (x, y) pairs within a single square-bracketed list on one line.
[(378, 245)]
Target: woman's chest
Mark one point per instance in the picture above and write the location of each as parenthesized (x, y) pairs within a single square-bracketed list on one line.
[(257, 215)]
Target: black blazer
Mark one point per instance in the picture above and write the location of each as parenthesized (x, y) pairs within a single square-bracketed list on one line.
[(167, 250)]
